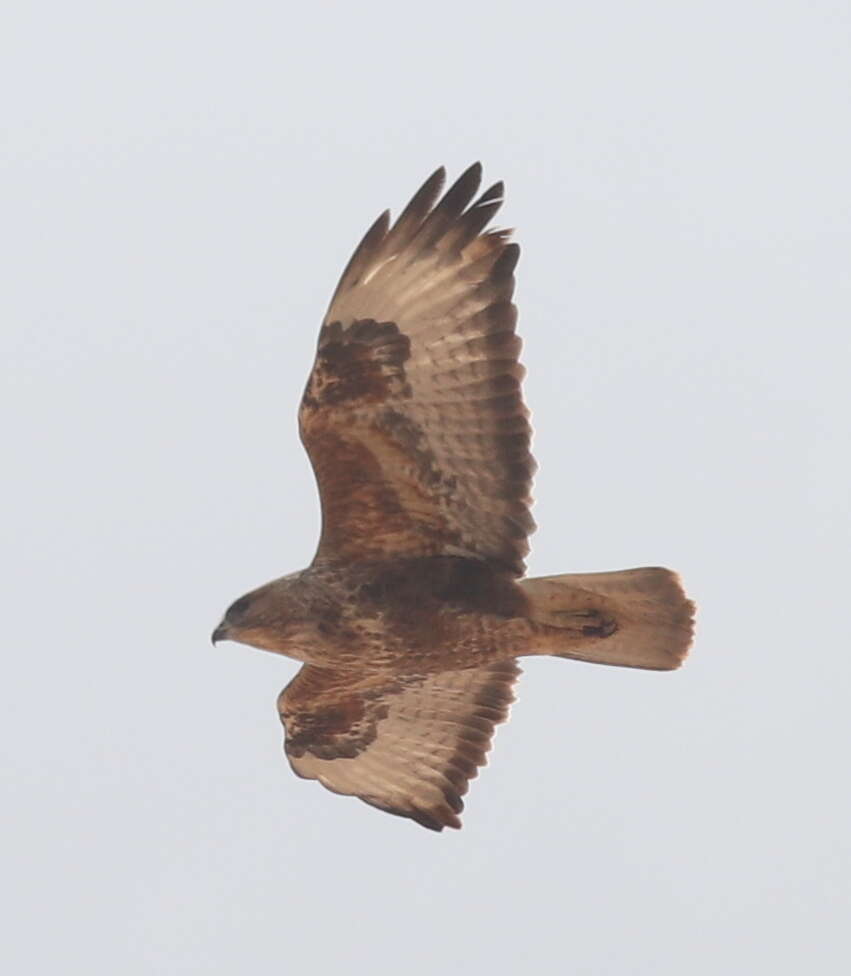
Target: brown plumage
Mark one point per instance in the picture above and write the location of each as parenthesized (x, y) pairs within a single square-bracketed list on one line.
[(411, 616)]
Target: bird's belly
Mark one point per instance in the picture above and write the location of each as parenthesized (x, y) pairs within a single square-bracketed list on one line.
[(426, 642)]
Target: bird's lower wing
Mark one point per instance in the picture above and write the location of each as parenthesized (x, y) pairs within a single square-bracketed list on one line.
[(407, 744)]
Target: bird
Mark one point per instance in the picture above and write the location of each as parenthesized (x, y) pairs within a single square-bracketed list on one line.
[(411, 618)]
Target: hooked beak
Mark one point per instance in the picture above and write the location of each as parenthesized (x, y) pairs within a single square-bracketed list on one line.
[(220, 633)]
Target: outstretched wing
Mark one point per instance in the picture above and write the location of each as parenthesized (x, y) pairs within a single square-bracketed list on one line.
[(413, 416), (407, 744)]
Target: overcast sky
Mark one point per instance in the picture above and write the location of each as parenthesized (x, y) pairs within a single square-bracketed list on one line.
[(182, 184)]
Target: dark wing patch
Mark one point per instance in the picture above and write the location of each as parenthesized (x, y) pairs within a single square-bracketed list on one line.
[(406, 744), (413, 416)]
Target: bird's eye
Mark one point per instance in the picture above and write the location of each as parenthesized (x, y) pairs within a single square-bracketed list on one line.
[(238, 607)]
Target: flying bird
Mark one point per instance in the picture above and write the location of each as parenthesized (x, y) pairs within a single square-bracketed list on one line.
[(411, 617)]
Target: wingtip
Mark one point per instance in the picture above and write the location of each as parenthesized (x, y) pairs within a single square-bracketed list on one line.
[(492, 194), (474, 168), (377, 229), (472, 176), (434, 184)]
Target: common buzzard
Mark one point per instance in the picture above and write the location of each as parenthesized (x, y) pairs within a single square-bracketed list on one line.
[(413, 612)]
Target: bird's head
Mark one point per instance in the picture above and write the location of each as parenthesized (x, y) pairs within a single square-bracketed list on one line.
[(262, 618)]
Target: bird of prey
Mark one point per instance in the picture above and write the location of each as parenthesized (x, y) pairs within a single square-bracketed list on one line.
[(411, 617)]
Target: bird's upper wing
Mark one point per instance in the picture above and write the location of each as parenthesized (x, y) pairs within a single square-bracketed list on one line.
[(413, 416), (407, 744)]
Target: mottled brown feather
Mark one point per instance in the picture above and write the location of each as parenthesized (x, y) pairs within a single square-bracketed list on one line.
[(413, 414), (408, 744)]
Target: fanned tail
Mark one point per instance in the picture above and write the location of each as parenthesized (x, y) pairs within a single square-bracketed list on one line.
[(634, 618)]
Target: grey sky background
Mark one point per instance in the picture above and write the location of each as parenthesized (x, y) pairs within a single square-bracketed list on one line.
[(182, 184)]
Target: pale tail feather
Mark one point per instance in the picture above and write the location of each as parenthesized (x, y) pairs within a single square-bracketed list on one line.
[(634, 618)]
